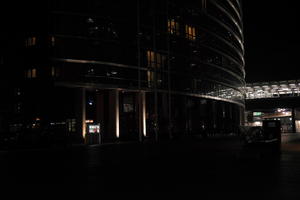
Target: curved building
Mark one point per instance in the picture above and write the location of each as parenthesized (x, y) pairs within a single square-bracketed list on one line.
[(134, 69)]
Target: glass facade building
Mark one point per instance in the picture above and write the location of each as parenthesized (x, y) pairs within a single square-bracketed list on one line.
[(140, 69)]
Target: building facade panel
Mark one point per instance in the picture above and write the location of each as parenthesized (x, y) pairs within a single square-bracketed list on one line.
[(184, 58)]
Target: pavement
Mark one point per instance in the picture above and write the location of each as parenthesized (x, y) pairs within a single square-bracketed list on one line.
[(215, 168)]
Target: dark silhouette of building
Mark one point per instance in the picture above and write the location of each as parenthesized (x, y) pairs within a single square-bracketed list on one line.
[(154, 69)]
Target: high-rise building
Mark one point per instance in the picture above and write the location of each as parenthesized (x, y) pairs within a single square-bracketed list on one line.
[(139, 69)]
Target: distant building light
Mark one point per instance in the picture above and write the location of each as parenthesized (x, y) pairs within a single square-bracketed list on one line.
[(91, 70), (30, 41), (52, 40), (57, 123), (90, 20), (257, 123), (256, 114), (281, 110), (114, 73)]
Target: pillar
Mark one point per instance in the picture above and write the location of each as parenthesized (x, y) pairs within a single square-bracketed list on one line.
[(293, 120), (242, 116), (142, 115)]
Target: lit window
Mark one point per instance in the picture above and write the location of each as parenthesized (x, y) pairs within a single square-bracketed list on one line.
[(54, 72), (52, 41), (71, 125), (150, 58), (190, 32), (173, 27), (154, 60), (31, 41), (31, 73)]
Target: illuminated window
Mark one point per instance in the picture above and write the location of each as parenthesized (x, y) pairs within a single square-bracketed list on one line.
[(71, 125), (52, 41), (154, 60), (190, 32), (173, 27), (31, 73), (54, 72), (31, 41)]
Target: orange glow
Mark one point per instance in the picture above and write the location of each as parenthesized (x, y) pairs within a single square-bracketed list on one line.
[(190, 32), (52, 41), (173, 27), (89, 121), (33, 73), (31, 41)]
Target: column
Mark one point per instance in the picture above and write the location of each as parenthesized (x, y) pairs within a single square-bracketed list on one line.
[(142, 115), (293, 120), (242, 115)]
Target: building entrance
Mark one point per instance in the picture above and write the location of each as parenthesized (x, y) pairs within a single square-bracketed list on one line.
[(129, 129)]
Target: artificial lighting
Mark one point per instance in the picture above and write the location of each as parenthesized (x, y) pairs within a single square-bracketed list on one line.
[(90, 121), (94, 128), (117, 124), (114, 73), (90, 20)]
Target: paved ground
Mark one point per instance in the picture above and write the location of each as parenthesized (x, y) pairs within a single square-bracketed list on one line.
[(213, 167)]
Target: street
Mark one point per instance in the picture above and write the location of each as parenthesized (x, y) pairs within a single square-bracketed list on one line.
[(213, 167)]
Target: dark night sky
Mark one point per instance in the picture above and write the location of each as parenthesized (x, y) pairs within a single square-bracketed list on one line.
[(271, 40)]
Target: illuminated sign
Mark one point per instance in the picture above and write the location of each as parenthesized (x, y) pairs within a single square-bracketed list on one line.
[(256, 114), (94, 128)]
